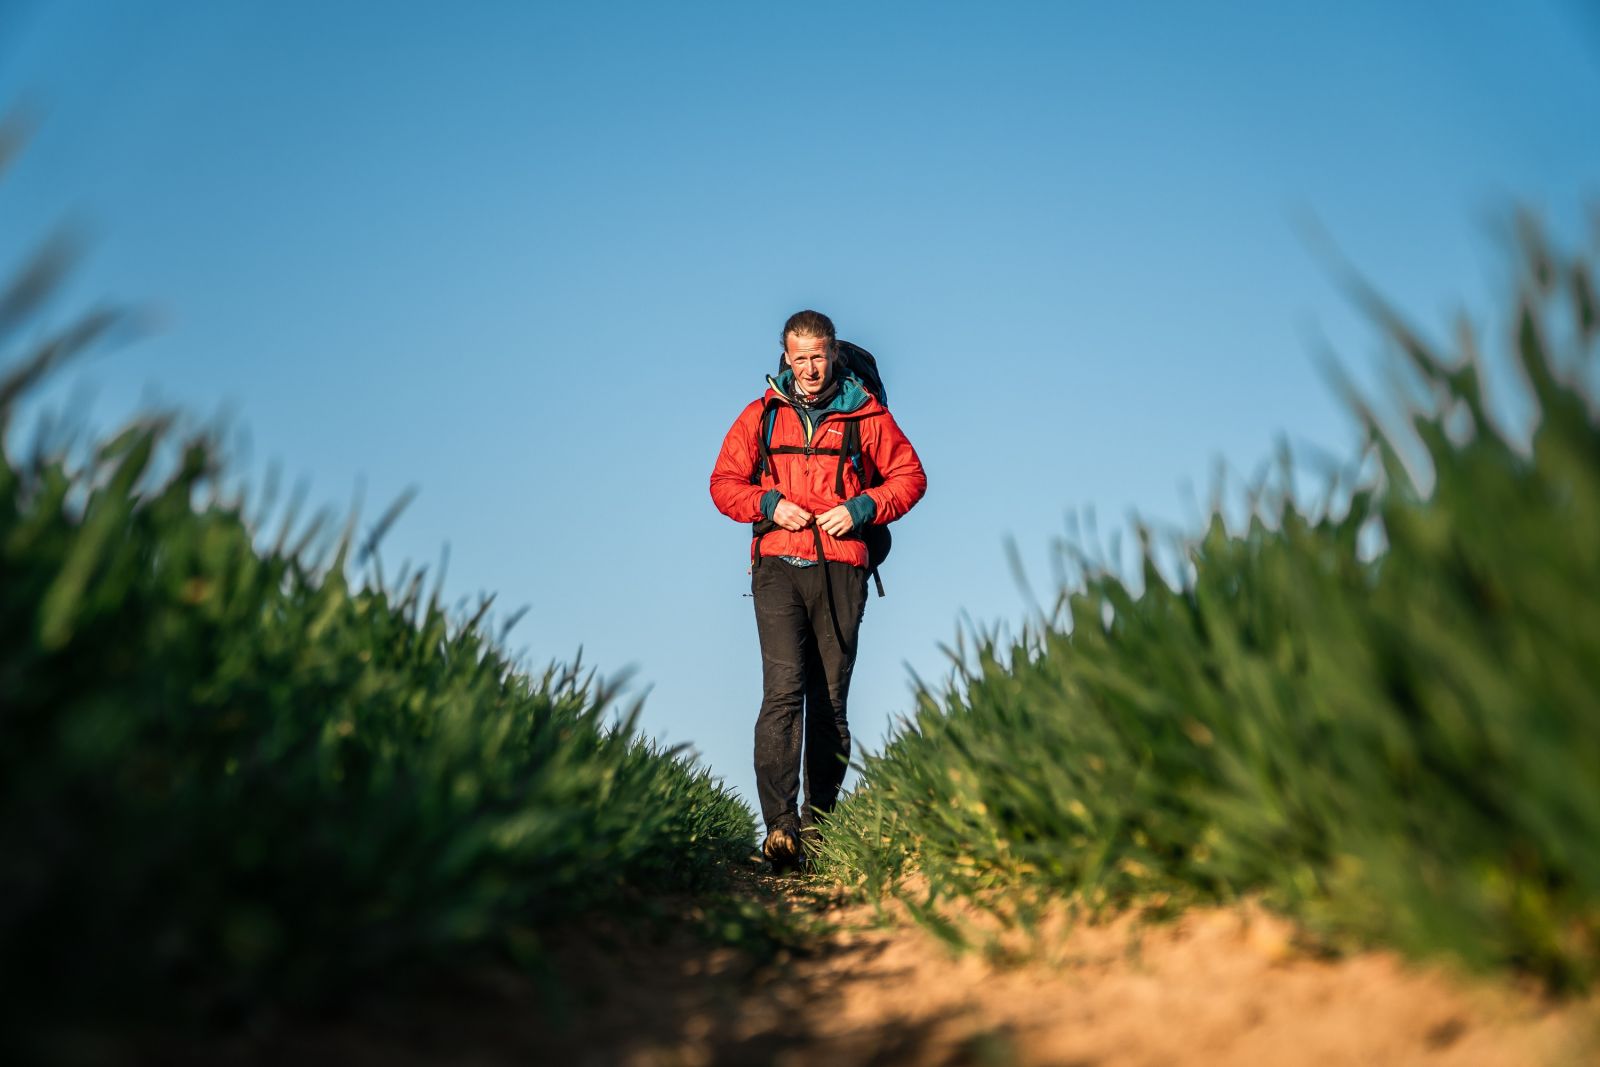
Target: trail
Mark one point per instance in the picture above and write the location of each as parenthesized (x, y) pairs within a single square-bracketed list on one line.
[(1213, 987)]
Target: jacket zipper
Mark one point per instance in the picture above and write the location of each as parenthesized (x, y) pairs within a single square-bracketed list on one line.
[(806, 424)]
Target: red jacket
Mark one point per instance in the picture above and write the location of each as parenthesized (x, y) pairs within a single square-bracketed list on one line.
[(811, 480)]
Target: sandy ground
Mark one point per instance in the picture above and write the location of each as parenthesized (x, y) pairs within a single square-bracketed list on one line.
[(1212, 987)]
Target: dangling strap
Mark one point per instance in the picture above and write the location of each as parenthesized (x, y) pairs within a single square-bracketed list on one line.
[(827, 584), (759, 529)]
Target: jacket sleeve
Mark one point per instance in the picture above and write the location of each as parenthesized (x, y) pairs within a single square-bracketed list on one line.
[(903, 479), (731, 490)]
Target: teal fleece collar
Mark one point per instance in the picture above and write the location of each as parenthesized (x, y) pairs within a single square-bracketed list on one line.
[(852, 395)]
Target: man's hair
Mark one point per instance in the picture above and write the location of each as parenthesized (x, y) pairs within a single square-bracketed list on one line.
[(808, 324)]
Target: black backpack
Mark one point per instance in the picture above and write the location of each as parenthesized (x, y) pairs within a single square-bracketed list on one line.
[(858, 361)]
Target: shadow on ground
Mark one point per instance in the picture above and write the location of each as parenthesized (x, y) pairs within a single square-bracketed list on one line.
[(650, 995)]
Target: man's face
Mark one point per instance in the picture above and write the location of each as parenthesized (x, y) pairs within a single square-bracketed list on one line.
[(810, 360)]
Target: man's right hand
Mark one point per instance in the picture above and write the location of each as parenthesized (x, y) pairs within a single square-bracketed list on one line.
[(791, 516)]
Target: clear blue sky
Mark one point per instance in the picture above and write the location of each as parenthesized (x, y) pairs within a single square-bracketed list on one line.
[(533, 258)]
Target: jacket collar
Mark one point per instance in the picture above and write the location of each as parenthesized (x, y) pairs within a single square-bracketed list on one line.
[(851, 397)]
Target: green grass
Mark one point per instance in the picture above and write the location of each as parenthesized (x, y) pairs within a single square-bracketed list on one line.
[(1398, 745), (228, 769), (230, 776)]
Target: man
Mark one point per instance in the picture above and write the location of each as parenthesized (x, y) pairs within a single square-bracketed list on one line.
[(811, 463)]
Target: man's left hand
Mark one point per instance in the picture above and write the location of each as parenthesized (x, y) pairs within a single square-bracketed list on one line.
[(836, 521)]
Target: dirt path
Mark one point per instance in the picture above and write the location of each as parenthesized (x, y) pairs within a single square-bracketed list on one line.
[(1214, 987)]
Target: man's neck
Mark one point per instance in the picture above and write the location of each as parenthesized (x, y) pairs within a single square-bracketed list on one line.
[(822, 389)]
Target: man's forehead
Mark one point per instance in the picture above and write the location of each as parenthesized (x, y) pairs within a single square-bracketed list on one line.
[(804, 342)]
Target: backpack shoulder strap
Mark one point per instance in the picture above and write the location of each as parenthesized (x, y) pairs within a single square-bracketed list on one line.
[(769, 417), (849, 452)]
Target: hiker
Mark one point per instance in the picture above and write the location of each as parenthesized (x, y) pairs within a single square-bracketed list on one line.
[(818, 466)]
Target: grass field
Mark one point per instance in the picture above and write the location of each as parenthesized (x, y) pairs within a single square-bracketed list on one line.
[(231, 775), (1381, 712)]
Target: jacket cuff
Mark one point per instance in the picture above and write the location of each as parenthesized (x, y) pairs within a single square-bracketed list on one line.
[(769, 502), (862, 509)]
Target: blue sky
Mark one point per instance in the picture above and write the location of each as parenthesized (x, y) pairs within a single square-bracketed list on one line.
[(532, 259)]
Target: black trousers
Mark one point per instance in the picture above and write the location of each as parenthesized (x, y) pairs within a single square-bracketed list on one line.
[(805, 678)]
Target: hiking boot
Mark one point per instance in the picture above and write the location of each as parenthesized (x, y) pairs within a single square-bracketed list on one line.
[(781, 848)]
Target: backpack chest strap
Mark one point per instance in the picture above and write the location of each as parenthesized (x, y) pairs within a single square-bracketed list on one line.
[(845, 455), (849, 449), (803, 450)]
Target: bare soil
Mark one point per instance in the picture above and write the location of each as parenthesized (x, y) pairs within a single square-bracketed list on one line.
[(1214, 986)]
